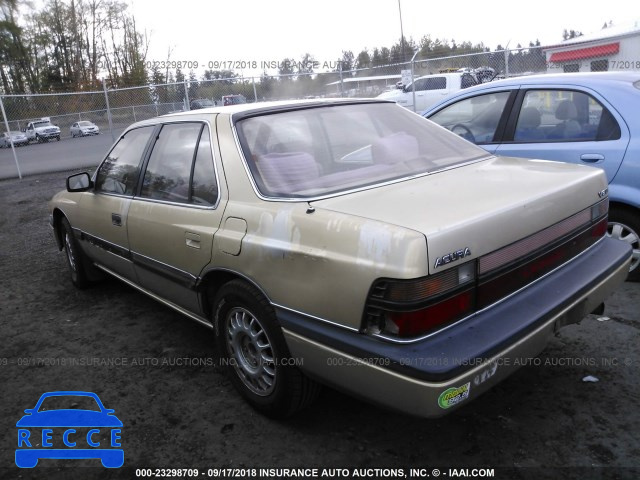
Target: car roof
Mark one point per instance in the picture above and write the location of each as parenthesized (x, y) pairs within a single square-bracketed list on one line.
[(592, 78), (603, 80), (243, 110)]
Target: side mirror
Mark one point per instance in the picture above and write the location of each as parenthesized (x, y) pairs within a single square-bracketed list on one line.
[(80, 182)]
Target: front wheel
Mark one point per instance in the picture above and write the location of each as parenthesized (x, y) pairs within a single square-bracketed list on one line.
[(253, 351), (75, 258), (624, 224)]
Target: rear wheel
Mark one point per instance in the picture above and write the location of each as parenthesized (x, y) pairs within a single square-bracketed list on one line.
[(75, 258), (254, 353), (624, 224)]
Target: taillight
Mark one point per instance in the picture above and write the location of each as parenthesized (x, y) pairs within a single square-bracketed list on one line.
[(410, 324), (417, 307), (503, 281), (408, 308)]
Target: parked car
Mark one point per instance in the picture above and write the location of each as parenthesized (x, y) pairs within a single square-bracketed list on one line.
[(233, 100), (431, 89), (42, 130), (84, 127), (18, 138), (90, 430), (345, 242), (584, 118), (201, 103)]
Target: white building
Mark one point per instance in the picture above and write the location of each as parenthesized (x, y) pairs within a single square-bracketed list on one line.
[(612, 48)]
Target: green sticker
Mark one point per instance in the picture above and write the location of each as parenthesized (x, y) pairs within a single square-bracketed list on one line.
[(453, 396)]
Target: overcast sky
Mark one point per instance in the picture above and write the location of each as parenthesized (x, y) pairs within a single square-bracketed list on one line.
[(270, 30)]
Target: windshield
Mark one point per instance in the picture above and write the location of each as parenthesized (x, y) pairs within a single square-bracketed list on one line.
[(42, 124), (85, 124), (313, 152)]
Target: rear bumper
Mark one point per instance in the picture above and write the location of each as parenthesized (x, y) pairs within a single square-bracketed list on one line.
[(433, 376)]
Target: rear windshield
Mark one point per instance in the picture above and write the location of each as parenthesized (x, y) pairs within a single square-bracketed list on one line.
[(313, 152)]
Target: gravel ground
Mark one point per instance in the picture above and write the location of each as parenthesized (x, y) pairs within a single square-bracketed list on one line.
[(156, 369)]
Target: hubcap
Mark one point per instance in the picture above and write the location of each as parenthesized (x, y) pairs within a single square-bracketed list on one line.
[(69, 249), (626, 234), (250, 351)]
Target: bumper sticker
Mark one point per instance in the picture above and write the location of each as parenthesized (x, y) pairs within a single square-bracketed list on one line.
[(453, 396)]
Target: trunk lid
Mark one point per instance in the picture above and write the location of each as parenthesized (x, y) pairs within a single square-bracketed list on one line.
[(480, 207)]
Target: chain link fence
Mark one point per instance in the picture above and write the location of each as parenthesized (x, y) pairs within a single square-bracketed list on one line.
[(112, 110)]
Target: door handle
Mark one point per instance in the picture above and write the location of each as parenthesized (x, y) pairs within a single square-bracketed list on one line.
[(116, 219), (192, 240), (591, 157)]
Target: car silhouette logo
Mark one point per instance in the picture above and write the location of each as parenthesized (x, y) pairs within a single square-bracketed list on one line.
[(69, 425)]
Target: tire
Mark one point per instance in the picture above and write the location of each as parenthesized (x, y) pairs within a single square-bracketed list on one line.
[(38, 138), (76, 261), (254, 354), (624, 224), (58, 138)]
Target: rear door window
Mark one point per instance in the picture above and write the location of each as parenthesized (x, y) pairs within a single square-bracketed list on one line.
[(180, 168), (564, 115), (169, 167), (204, 187)]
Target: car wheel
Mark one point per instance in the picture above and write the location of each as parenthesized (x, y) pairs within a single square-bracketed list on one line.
[(38, 138), (58, 138), (253, 351), (75, 258), (624, 224)]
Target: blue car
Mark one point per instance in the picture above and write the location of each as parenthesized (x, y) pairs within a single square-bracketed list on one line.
[(584, 118), (83, 429)]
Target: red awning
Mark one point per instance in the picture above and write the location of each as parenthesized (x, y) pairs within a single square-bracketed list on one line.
[(589, 52)]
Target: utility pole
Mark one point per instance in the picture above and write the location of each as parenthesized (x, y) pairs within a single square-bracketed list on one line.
[(401, 32)]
